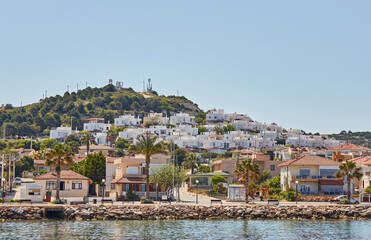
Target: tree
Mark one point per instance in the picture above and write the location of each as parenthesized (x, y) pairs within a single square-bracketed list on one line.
[(201, 130), (229, 128), (72, 138), (247, 170), (47, 143), (148, 147), (57, 157), (122, 143), (87, 138), (179, 156), (112, 135), (216, 180), (163, 175), (349, 170), (26, 163), (192, 161), (94, 167), (264, 176), (2, 144), (204, 169), (218, 130)]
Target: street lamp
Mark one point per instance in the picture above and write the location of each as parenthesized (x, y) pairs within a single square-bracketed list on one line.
[(296, 192), (104, 186), (197, 191)]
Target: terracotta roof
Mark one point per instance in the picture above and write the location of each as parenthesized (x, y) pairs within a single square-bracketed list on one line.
[(128, 180), (310, 160), (65, 175), (350, 146), (362, 160), (331, 182)]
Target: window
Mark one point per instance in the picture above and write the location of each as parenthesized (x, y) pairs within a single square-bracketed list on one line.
[(328, 173), (304, 172), (113, 186), (76, 185), (51, 185), (273, 167), (33, 192)]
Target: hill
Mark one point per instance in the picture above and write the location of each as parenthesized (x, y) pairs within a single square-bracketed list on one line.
[(358, 138), (106, 102)]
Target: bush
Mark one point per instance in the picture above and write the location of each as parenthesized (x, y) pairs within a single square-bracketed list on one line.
[(14, 200), (58, 201), (130, 195), (368, 190), (1, 200), (144, 200)]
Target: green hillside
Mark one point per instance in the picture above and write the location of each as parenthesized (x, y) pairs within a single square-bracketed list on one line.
[(106, 102), (358, 138)]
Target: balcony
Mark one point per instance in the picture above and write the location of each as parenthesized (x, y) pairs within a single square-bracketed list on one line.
[(311, 178)]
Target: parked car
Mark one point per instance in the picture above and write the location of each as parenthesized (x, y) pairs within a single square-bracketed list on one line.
[(338, 198), (354, 201)]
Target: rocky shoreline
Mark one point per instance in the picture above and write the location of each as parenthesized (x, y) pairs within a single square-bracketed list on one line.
[(9, 213)]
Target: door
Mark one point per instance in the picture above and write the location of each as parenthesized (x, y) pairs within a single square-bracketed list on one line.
[(62, 185), (305, 189)]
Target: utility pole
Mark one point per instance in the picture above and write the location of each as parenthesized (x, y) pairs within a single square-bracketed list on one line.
[(77, 88), (9, 166), (86, 84), (14, 159), (68, 88)]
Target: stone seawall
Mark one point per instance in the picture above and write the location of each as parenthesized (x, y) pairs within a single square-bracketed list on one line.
[(184, 212)]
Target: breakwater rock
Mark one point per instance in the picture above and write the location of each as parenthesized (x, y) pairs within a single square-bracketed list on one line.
[(168, 212)]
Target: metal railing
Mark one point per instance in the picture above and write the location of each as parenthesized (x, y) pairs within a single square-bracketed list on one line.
[(313, 177)]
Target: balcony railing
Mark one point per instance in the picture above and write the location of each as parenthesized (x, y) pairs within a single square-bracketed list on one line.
[(313, 177)]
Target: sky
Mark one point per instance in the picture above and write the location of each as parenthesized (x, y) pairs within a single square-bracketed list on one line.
[(300, 64)]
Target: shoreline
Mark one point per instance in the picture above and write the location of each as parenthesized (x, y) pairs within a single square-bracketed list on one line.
[(174, 212)]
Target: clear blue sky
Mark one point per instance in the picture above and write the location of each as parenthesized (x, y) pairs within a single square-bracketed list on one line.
[(301, 64)]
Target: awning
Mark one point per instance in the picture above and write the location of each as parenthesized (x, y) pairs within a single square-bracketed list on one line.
[(128, 180), (330, 182)]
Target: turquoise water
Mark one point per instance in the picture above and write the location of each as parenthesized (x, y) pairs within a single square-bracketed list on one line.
[(187, 229)]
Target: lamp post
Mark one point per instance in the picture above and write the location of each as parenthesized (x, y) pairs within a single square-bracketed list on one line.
[(296, 191), (197, 191), (156, 192), (3, 193), (104, 186)]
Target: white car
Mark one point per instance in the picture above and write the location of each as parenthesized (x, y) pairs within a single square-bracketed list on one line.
[(18, 181), (353, 200)]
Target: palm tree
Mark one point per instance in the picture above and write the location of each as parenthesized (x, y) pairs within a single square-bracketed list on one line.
[(349, 170), (218, 130), (59, 156), (148, 147), (87, 138), (112, 135), (192, 161), (74, 146), (247, 170)]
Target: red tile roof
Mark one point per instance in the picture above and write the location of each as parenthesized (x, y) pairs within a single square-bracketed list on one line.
[(128, 180), (362, 160), (350, 146), (65, 175), (311, 160)]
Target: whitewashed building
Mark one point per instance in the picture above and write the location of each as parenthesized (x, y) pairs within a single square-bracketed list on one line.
[(127, 120), (156, 118), (182, 118)]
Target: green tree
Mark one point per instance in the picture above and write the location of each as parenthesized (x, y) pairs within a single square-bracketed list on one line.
[(201, 130), (94, 167), (47, 143), (216, 180), (26, 163), (264, 176), (163, 175), (179, 156), (73, 138), (218, 130), (229, 128), (87, 138), (122, 143), (350, 171), (247, 170), (192, 161), (147, 146), (112, 135), (204, 169), (57, 157)]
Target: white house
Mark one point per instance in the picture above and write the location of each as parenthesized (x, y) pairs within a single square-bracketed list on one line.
[(156, 118), (60, 133), (182, 118), (127, 120), (131, 133), (96, 125), (217, 115)]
